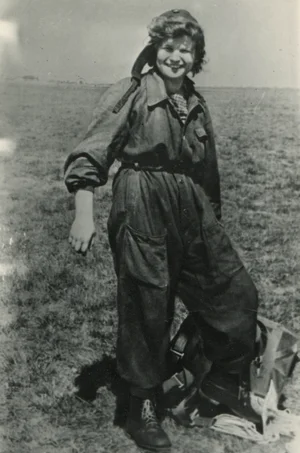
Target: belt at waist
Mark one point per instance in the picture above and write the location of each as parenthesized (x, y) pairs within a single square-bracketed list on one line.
[(169, 167)]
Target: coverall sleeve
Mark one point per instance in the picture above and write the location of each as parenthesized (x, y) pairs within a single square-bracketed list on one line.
[(88, 164), (211, 182)]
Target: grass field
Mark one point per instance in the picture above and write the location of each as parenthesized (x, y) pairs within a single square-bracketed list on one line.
[(58, 310)]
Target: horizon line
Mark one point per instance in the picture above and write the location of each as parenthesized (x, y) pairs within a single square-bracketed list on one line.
[(81, 82)]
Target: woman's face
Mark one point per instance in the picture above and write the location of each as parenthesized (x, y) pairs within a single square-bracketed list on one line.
[(175, 57)]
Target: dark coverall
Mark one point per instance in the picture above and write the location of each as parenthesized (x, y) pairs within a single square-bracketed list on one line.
[(164, 228)]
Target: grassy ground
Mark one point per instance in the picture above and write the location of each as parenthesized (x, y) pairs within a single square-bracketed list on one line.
[(58, 313)]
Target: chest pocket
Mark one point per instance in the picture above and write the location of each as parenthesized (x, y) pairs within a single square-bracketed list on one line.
[(199, 145), (201, 134)]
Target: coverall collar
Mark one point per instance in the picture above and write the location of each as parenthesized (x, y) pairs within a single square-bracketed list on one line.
[(156, 90)]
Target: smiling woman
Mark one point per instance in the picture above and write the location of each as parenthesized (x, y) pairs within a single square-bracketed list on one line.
[(175, 58), (171, 26), (164, 226)]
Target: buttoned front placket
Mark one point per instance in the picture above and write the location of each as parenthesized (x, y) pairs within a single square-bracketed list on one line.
[(182, 180)]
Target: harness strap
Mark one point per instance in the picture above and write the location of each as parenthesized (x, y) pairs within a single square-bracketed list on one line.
[(136, 75), (181, 380), (177, 349), (134, 84)]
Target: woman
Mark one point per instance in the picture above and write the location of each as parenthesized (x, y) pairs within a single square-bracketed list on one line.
[(164, 226)]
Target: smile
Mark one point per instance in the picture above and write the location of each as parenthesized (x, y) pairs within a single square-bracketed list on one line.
[(174, 67)]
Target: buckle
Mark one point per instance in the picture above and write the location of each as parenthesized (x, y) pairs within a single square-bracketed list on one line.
[(180, 383), (179, 354)]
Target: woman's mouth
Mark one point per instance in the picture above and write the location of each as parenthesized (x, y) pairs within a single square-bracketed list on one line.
[(175, 68)]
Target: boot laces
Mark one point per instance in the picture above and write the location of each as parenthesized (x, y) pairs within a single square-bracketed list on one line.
[(148, 413)]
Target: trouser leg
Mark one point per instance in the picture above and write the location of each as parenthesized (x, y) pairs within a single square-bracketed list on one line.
[(222, 298), (143, 333), (226, 319), (139, 242), (216, 287)]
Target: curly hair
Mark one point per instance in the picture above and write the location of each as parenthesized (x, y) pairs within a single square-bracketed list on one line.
[(162, 28)]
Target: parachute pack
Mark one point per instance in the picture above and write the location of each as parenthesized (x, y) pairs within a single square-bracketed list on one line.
[(261, 419)]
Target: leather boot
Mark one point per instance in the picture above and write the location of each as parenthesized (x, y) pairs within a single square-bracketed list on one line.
[(143, 427)]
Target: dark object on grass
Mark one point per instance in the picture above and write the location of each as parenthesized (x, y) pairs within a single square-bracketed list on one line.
[(275, 359), (103, 373)]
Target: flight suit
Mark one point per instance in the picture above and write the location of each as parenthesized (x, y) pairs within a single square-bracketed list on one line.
[(164, 228)]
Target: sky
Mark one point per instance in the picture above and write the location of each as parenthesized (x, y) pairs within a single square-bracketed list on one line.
[(248, 42)]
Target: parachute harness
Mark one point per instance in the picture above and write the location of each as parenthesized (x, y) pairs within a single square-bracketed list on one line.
[(275, 422)]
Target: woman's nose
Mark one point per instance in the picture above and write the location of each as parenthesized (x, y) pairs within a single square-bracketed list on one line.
[(175, 56)]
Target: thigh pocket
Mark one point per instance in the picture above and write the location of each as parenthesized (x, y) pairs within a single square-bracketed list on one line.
[(144, 258), (223, 260)]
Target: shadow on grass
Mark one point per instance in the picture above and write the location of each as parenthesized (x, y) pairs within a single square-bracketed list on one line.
[(103, 373)]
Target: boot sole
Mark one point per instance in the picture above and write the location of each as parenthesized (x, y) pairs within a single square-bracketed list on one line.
[(150, 449)]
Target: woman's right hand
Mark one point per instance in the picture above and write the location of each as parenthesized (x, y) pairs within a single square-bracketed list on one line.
[(83, 229), (82, 233)]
